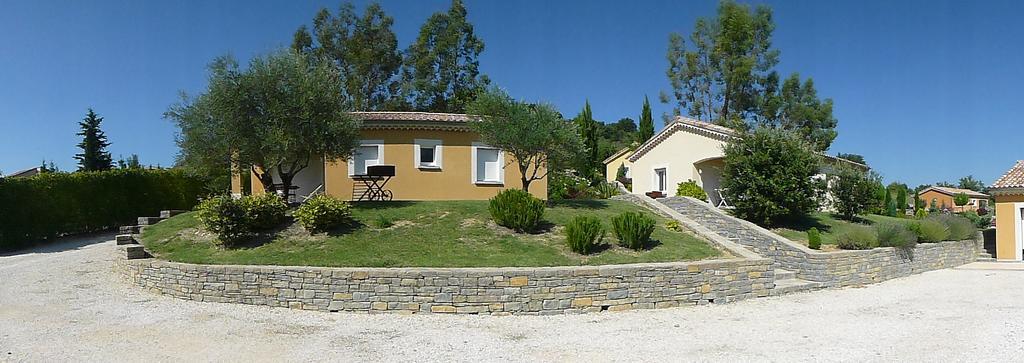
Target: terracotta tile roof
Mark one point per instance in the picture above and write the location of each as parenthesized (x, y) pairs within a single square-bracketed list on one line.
[(412, 116), (1014, 178), (955, 191)]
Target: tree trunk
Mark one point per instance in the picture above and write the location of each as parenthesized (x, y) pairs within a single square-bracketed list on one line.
[(526, 184)]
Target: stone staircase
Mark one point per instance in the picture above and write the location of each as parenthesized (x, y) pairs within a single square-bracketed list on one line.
[(787, 283), (126, 237)]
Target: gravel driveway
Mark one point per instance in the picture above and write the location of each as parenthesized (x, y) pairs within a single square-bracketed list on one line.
[(63, 303)]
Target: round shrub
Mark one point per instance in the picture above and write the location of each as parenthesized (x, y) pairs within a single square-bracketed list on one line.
[(265, 211), (690, 188), (930, 230), (516, 209), (226, 217), (583, 234), (858, 238), (895, 235), (633, 229), (814, 238), (921, 213), (960, 228), (322, 213)]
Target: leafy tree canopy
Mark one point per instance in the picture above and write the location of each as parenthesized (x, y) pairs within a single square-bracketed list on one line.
[(276, 115), (441, 68), (535, 134), (968, 182)]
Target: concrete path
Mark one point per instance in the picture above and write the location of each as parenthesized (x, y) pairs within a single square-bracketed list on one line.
[(63, 303)]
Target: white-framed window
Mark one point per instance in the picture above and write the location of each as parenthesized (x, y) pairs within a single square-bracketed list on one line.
[(488, 164), (368, 153), (427, 153), (661, 179)]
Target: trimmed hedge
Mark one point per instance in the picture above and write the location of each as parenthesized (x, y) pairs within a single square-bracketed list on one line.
[(46, 206)]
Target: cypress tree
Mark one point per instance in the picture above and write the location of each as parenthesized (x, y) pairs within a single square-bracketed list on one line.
[(587, 128), (94, 155), (901, 200), (646, 129), (887, 203)]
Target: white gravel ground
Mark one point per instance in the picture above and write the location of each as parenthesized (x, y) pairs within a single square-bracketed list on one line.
[(63, 303)]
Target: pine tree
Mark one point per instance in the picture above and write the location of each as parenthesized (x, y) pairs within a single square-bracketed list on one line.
[(587, 128), (441, 68), (646, 129), (94, 155)]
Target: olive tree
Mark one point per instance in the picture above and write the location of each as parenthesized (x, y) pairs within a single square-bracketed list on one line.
[(853, 190), (535, 134), (768, 176), (275, 116)]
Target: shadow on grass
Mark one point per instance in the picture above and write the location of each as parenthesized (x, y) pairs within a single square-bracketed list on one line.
[(382, 205), (581, 204), (805, 223)]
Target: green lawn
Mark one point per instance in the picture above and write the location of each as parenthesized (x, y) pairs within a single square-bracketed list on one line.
[(830, 226), (434, 234)]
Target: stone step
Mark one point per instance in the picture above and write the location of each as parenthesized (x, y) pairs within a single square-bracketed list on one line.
[(984, 255), (781, 274), (148, 221), (170, 213), (130, 229), (125, 239), (133, 252), (794, 285), (985, 259)]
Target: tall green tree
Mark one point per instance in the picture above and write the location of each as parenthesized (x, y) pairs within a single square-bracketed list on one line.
[(271, 116), (795, 106), (363, 47), (722, 77), (857, 158), (646, 128), (768, 176), (441, 68), (94, 155), (968, 182), (901, 200), (535, 134), (588, 129)]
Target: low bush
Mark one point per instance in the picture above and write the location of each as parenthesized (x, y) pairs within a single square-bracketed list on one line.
[(264, 211), (814, 238), (690, 188), (516, 209), (930, 230), (673, 225), (583, 234), (323, 213), (895, 235), (605, 190), (980, 221), (858, 238), (960, 228), (633, 229), (51, 205), (568, 185), (921, 213), (227, 218)]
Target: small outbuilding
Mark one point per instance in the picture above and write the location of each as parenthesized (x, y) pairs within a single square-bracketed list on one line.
[(1008, 191)]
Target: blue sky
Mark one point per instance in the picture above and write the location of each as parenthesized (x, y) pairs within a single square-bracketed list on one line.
[(925, 90)]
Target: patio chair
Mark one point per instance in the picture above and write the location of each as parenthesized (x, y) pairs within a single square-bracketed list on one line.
[(721, 199), (318, 190)]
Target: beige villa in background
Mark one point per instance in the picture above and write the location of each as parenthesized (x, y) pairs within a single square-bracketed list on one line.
[(1008, 191), (686, 149), (437, 156)]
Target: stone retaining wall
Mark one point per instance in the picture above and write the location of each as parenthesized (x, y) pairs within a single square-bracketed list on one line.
[(832, 269), (846, 268), (500, 291)]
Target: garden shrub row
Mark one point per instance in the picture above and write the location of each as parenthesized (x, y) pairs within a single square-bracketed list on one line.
[(929, 230), (50, 205)]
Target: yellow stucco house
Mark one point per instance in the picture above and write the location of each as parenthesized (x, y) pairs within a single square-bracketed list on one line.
[(686, 149), (1008, 191), (613, 162), (942, 198), (437, 156)]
